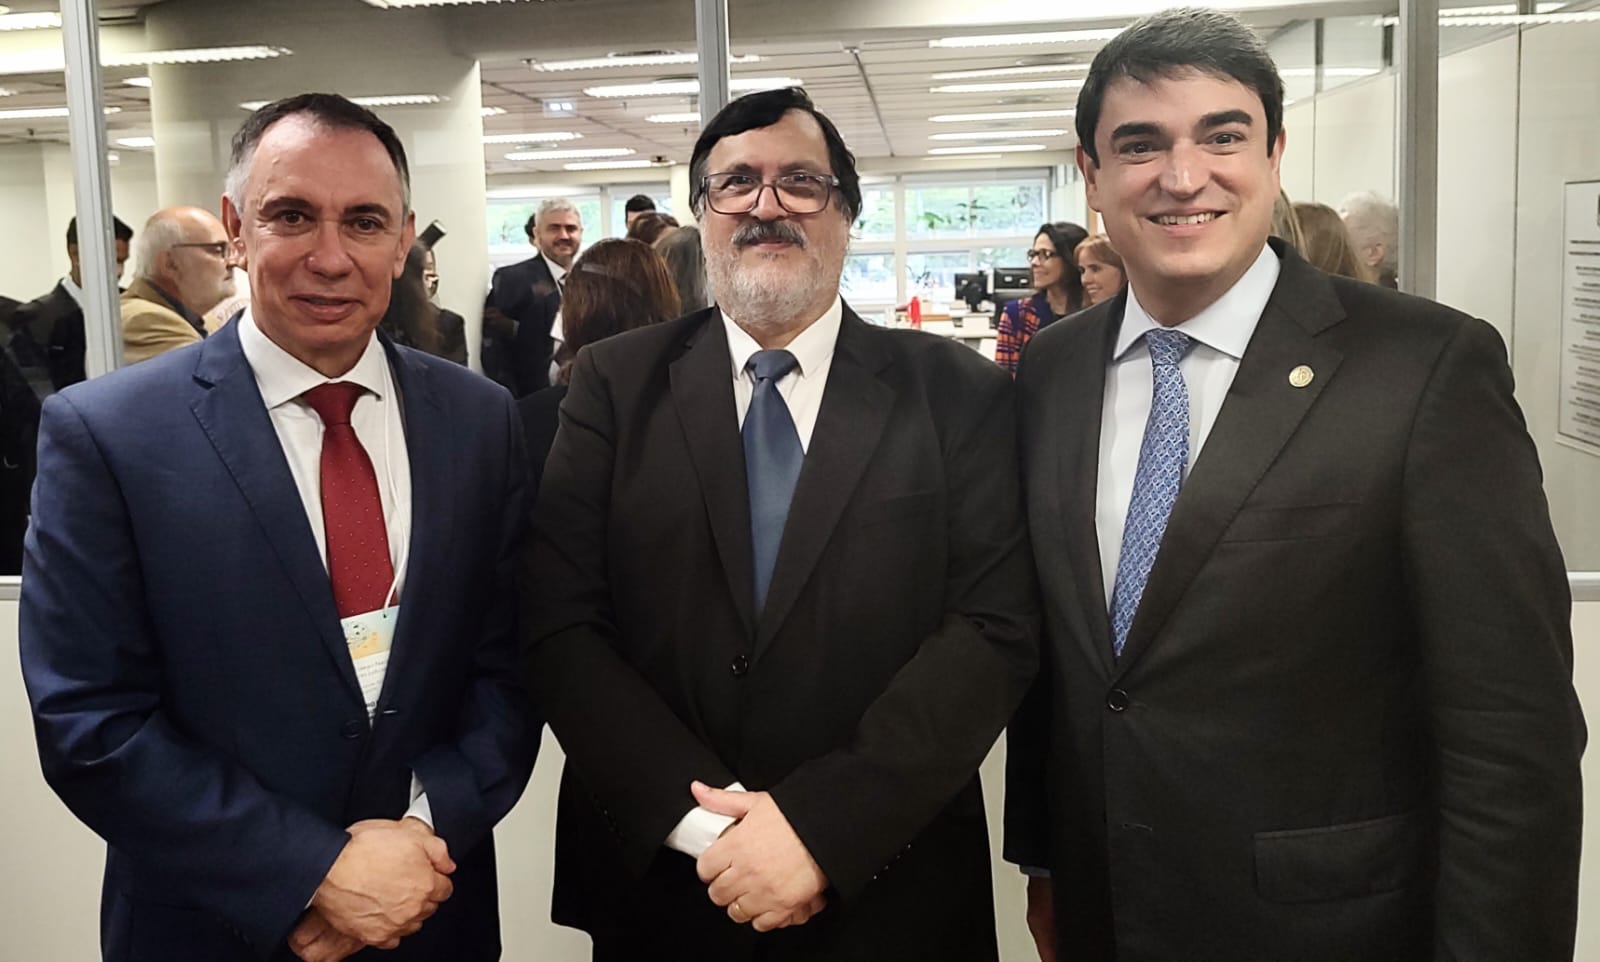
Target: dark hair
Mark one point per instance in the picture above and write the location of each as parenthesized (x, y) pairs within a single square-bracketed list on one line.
[(650, 225), (122, 231), (686, 262), (328, 110), (1065, 237), (1170, 42), (763, 109), (637, 203), (614, 286), (412, 319)]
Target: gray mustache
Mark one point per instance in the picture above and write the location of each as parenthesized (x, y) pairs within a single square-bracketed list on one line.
[(758, 231)]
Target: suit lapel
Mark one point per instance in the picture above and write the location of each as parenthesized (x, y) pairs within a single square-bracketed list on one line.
[(855, 409), (234, 418), (702, 392), (432, 471), (1072, 418), (1261, 412)]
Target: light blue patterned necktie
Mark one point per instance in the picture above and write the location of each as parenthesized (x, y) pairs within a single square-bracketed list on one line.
[(772, 459), (1162, 457)]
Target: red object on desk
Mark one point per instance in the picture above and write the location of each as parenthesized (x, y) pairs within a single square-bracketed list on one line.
[(914, 312)]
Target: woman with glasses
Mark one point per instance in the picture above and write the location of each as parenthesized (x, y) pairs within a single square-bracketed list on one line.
[(1058, 291)]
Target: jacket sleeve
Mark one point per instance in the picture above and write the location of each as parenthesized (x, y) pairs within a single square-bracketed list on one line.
[(93, 669), (1489, 592)]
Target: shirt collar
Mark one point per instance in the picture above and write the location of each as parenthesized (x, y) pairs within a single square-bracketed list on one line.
[(177, 306), (557, 272), (1226, 325), (811, 347), (282, 377), (72, 289)]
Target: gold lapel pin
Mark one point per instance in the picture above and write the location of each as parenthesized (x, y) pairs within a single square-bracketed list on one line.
[(1301, 376)]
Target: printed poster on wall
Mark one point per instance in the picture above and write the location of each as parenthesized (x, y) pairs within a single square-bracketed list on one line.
[(1578, 412)]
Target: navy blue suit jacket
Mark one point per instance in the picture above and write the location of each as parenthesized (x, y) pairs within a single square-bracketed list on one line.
[(193, 698)]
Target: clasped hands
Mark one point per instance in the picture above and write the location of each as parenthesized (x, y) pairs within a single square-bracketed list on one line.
[(389, 878), (759, 870)]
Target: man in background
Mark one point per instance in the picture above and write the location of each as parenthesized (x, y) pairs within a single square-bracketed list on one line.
[(637, 204), (183, 271), (46, 336), (1374, 226), (518, 333)]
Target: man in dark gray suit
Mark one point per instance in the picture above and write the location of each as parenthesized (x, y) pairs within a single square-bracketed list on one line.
[(1307, 664)]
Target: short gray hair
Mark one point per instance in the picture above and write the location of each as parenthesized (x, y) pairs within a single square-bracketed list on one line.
[(1370, 218), (161, 233), (555, 205)]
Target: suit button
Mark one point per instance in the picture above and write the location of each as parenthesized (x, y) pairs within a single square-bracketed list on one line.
[(1118, 700), (741, 664), (351, 729)]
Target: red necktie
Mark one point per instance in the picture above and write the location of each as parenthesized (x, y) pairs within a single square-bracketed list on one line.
[(352, 511)]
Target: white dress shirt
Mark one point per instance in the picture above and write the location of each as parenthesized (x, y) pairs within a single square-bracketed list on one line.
[(72, 288), (377, 421), (1220, 333), (801, 389)]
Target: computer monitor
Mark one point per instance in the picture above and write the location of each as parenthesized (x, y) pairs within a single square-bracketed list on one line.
[(972, 288), (1013, 279)]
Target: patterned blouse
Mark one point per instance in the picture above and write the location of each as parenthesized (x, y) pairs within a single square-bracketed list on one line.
[(1019, 322)]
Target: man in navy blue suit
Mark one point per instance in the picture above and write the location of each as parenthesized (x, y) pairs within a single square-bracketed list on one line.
[(266, 628)]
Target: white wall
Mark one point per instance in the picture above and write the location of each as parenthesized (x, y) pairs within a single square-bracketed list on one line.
[(1354, 145), (26, 268), (1558, 139)]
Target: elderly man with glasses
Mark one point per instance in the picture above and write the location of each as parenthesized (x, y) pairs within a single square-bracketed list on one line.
[(184, 269), (778, 605)]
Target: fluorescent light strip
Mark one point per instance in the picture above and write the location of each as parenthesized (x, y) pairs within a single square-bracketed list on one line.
[(585, 153), (30, 21), (1496, 9), (1000, 115), (631, 60), (403, 4), (138, 82), (687, 118), (492, 111), (986, 149), (1023, 39), (690, 88), (1013, 71), (385, 100), (1509, 19), (43, 113), (991, 134), (50, 61), (137, 143), (547, 137), (611, 165), (1007, 85), (1352, 72)]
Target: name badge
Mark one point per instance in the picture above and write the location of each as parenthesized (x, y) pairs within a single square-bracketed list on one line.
[(369, 637)]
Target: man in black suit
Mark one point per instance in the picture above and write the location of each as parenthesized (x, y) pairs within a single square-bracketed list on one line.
[(780, 552), (45, 335), (524, 298), (1306, 668)]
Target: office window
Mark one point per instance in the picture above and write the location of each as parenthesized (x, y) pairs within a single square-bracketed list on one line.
[(876, 222), (506, 217), (661, 193), (869, 279), (944, 210)]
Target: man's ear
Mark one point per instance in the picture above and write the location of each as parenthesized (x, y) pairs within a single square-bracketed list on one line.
[(233, 223)]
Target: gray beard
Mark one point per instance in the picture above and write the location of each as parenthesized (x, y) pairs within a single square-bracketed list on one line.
[(759, 303)]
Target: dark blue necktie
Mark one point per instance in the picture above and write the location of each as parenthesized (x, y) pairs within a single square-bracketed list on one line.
[(772, 458), (1162, 457)]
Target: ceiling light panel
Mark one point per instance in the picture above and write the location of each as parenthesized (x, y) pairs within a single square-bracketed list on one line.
[(992, 134), (611, 165), (1034, 70), (689, 88), (1025, 39), (1006, 86), (1000, 115), (30, 21), (544, 137), (987, 149), (684, 118), (580, 154), (662, 59)]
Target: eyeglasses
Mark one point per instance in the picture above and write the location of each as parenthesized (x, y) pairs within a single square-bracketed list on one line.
[(214, 248), (797, 193), (1041, 255)]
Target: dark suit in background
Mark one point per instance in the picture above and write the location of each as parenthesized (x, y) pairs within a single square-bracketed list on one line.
[(1343, 726), (540, 412), (895, 640), (194, 698), (512, 357), (47, 337)]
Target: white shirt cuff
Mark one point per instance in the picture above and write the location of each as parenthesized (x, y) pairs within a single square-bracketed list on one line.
[(420, 809), (699, 828)]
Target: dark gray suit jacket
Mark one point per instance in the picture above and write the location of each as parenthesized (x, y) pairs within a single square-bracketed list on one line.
[(897, 638), (1343, 726)]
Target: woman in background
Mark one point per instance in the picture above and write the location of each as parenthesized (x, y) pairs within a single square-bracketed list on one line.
[(650, 225), (686, 262), (1327, 244), (414, 320), (1286, 224), (614, 286), (1099, 269), (1058, 292)]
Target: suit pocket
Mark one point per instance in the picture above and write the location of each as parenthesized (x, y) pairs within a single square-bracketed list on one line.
[(900, 506), (1294, 522), (1338, 861)]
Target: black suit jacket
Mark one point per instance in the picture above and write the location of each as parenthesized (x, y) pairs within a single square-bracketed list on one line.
[(52, 326), (897, 635), (1343, 726), (525, 292)]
